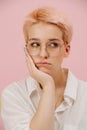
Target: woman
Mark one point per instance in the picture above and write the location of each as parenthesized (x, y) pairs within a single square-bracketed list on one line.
[(51, 98)]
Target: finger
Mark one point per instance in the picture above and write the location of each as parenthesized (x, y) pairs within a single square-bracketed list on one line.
[(29, 61), (25, 51), (28, 57)]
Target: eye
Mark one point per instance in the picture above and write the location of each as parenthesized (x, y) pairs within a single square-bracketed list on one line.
[(54, 44), (35, 44)]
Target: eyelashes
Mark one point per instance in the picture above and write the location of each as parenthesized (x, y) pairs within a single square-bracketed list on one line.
[(52, 44), (33, 48), (35, 44)]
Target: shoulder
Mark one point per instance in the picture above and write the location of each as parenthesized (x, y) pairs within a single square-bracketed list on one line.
[(18, 88), (82, 84), (82, 88), (79, 85)]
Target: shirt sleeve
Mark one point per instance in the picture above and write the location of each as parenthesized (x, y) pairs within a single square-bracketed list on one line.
[(16, 111)]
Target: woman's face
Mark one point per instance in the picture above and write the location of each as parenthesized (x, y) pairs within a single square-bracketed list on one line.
[(46, 46)]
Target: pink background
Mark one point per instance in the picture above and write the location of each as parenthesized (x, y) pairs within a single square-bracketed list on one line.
[(12, 59)]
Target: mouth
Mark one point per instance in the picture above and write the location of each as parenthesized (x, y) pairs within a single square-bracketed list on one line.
[(43, 64)]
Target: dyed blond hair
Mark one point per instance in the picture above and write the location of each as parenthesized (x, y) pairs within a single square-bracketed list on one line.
[(51, 16)]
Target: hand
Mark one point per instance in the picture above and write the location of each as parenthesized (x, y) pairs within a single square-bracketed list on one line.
[(43, 78)]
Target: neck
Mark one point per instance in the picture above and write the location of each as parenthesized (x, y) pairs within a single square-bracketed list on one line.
[(60, 78)]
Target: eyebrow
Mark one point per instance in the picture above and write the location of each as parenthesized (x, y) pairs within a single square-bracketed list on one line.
[(52, 39)]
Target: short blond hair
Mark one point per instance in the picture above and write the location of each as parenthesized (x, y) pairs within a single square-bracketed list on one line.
[(52, 16)]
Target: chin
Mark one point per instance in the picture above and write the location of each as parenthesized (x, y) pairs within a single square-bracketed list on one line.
[(45, 70)]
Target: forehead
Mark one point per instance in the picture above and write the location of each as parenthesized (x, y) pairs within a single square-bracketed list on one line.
[(44, 31)]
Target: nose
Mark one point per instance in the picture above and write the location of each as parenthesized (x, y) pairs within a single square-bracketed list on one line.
[(44, 53)]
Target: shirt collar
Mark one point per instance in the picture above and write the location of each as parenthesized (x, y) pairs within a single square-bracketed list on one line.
[(32, 85), (70, 92)]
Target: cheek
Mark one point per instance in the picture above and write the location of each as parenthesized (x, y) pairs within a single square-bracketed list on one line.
[(57, 56), (35, 59), (32, 58), (57, 60)]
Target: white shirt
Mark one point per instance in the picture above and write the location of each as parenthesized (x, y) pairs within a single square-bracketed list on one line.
[(20, 100)]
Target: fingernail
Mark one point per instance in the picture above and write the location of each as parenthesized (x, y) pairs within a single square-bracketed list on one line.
[(25, 52)]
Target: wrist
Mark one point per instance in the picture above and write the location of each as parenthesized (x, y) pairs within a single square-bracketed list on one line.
[(49, 86)]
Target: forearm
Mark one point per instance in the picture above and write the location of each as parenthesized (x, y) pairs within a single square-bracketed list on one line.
[(44, 117)]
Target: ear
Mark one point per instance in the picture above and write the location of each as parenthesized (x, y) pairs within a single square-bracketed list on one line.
[(67, 50)]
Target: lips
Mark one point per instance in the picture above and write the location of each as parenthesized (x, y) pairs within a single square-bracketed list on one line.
[(43, 63)]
